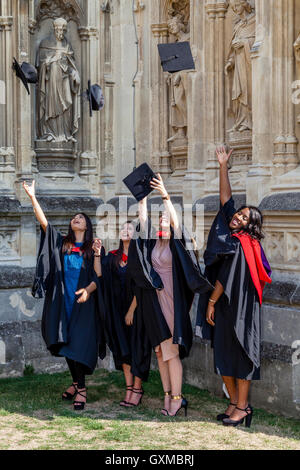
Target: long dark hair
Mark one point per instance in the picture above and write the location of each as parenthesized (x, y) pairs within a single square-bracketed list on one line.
[(119, 252), (254, 227), (70, 239)]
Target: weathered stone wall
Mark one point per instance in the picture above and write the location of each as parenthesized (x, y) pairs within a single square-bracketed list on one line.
[(82, 175)]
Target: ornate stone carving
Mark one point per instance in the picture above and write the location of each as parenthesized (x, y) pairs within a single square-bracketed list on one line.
[(275, 246), (178, 7), (59, 87), (239, 67), (8, 244), (58, 8), (293, 247), (6, 23)]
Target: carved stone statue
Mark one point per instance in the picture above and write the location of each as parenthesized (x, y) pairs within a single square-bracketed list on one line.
[(59, 87), (239, 62), (178, 111)]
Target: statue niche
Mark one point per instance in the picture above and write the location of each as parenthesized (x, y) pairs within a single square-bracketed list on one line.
[(177, 84), (59, 87), (238, 67)]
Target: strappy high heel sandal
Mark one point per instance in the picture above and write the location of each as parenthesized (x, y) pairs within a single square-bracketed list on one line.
[(248, 418), (184, 405), (167, 394), (69, 396), (79, 405), (222, 416), (124, 402), (138, 391)]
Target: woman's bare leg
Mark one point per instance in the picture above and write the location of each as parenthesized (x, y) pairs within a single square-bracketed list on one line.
[(164, 376), (243, 387), (232, 389), (135, 398), (128, 379), (175, 372)]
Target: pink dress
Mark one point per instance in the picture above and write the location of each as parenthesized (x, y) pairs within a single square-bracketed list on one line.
[(162, 263)]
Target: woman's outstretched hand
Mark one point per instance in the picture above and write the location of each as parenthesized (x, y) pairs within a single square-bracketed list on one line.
[(157, 183), (30, 190), (97, 246), (223, 156)]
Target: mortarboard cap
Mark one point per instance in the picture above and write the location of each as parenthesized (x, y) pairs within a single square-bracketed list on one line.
[(95, 97), (138, 182), (26, 72), (176, 56)]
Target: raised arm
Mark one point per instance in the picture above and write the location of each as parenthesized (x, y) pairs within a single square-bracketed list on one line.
[(41, 218), (97, 247), (157, 183), (143, 213), (225, 188)]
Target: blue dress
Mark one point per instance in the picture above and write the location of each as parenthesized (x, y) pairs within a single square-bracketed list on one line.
[(72, 268)]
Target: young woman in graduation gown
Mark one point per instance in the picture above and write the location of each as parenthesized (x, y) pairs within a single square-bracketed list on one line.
[(73, 312), (120, 304), (231, 316), (166, 276)]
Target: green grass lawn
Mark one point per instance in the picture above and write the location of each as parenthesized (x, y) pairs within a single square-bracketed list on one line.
[(33, 416)]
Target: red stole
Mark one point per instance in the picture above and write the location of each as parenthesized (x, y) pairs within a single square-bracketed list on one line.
[(124, 256), (252, 252)]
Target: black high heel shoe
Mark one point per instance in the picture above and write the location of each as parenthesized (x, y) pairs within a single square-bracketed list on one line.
[(124, 402), (79, 405), (222, 416), (184, 405), (69, 396), (138, 391), (248, 418)]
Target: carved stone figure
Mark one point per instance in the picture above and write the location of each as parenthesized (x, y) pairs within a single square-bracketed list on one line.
[(59, 87), (239, 62), (178, 111)]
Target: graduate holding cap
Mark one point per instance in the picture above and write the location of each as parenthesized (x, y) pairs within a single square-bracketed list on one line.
[(166, 275), (231, 314)]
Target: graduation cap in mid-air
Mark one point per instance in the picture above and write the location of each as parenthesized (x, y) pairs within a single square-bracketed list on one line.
[(138, 182), (176, 56), (95, 97), (26, 72)]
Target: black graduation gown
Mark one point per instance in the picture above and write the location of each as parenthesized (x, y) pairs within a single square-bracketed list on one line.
[(82, 338), (150, 327), (117, 299), (236, 335)]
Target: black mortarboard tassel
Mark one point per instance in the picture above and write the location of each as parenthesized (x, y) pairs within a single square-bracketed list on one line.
[(138, 182), (26, 72), (176, 56)]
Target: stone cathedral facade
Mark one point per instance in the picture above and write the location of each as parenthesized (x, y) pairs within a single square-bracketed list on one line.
[(244, 92)]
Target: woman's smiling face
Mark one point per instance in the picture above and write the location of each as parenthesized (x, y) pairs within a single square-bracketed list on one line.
[(240, 220), (78, 222)]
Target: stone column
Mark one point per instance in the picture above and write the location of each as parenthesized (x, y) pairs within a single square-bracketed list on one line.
[(259, 175), (107, 161), (160, 156), (285, 157), (90, 53), (193, 181), (215, 92), (7, 151), (22, 119)]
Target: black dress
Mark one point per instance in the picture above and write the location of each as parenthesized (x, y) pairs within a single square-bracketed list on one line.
[(118, 296), (80, 338), (149, 326), (236, 335)]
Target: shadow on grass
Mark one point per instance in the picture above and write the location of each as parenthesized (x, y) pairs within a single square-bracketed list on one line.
[(38, 396)]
